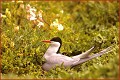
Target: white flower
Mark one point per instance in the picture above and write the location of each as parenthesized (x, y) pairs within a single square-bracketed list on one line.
[(60, 27), (32, 18), (40, 24), (31, 11), (54, 24), (56, 20), (57, 24), (40, 16), (62, 11), (40, 13), (32, 14)]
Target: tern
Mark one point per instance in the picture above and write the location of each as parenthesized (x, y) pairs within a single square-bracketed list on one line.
[(54, 58)]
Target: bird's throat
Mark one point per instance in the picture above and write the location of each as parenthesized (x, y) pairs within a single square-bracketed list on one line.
[(52, 50)]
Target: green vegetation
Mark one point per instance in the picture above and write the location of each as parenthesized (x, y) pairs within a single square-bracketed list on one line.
[(80, 25)]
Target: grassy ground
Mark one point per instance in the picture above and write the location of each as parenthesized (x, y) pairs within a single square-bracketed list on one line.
[(80, 25)]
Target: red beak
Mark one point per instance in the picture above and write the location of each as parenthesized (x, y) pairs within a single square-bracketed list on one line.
[(47, 41)]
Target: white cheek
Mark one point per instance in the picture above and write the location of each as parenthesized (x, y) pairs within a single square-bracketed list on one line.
[(53, 48), (55, 44)]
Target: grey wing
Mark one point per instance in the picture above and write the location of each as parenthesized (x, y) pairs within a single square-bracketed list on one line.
[(59, 59), (85, 54)]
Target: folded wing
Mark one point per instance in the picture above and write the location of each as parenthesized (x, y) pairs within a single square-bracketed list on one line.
[(93, 56)]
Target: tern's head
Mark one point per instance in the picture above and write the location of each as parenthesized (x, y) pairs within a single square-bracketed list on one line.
[(55, 42)]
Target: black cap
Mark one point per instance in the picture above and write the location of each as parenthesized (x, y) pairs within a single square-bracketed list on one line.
[(56, 39)]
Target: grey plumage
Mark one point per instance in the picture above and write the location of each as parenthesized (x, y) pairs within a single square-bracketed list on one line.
[(54, 59)]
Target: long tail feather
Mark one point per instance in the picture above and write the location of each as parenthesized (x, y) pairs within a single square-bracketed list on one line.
[(85, 54), (93, 56)]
